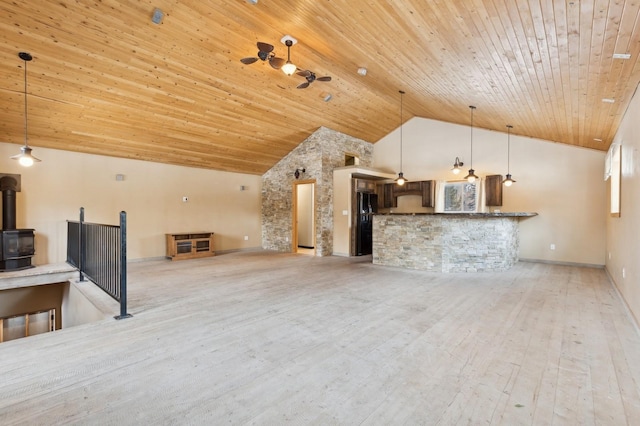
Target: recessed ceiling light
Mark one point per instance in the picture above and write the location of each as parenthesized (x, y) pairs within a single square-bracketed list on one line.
[(608, 100), (622, 56)]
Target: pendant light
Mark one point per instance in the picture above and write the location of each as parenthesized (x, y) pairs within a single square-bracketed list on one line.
[(471, 177), (508, 181), (400, 180), (289, 68), (25, 158)]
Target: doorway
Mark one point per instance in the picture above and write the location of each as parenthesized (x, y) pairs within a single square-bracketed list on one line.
[(304, 221)]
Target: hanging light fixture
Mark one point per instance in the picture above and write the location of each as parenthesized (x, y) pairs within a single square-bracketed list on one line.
[(471, 177), (25, 158), (289, 68), (400, 180), (457, 166), (508, 181)]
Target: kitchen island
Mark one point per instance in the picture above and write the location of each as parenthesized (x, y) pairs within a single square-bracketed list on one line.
[(447, 242)]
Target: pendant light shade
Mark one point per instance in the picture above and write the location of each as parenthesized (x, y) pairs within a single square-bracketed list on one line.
[(508, 181), (25, 158), (400, 180), (471, 177)]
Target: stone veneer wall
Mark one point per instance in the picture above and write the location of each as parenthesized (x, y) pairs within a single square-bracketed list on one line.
[(446, 243), (319, 154)]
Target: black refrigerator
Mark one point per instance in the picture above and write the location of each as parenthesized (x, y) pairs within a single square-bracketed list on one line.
[(366, 206)]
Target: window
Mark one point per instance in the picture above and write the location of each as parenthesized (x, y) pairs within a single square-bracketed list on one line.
[(460, 197)]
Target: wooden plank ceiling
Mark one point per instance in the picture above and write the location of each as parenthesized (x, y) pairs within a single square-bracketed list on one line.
[(106, 80)]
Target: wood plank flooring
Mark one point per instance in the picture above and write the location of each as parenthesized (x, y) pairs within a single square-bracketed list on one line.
[(264, 338)]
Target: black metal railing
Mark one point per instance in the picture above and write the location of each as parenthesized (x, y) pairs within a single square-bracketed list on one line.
[(99, 252)]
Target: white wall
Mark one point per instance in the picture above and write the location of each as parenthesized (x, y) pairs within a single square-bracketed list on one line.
[(623, 233), (151, 194), (563, 184)]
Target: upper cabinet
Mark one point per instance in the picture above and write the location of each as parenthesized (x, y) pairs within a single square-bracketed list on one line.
[(493, 190), (363, 185), (388, 193)]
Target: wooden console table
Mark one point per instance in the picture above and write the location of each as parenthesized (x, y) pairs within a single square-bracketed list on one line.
[(190, 245)]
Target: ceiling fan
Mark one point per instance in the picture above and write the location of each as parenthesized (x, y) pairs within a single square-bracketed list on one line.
[(265, 53), (311, 77)]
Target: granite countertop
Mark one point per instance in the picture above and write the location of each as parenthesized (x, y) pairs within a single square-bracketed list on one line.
[(474, 215)]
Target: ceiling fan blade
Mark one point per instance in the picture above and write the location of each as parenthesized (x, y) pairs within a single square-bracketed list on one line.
[(248, 61), (327, 78), (265, 47), (303, 85), (304, 73), (276, 63)]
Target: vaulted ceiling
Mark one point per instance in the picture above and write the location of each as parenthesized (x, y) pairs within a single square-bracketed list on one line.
[(107, 80)]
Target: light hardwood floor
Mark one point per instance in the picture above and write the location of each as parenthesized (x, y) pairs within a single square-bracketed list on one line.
[(263, 338)]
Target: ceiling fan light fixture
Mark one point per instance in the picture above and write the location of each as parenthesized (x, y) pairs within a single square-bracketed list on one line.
[(25, 158), (288, 68)]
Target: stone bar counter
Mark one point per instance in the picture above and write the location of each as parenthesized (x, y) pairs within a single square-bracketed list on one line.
[(447, 242)]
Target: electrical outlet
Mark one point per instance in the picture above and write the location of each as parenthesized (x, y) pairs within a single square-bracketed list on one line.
[(609, 255), (624, 273), (345, 212), (246, 238), (552, 247)]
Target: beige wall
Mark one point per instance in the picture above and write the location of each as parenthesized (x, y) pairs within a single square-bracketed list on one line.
[(151, 194), (623, 233), (562, 183)]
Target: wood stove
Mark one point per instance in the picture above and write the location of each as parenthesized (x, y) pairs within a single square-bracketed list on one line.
[(16, 245)]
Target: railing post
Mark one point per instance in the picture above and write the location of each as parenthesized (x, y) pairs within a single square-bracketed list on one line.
[(81, 252), (123, 267)]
